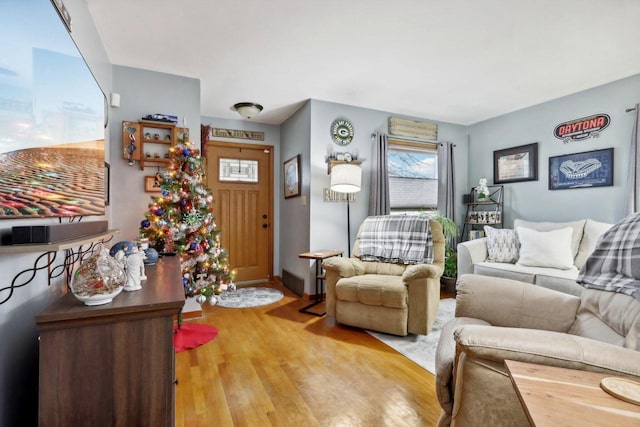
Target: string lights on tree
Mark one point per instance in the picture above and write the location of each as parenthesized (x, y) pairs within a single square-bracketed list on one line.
[(181, 221)]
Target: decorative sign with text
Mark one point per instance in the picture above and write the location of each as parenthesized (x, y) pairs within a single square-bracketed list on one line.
[(239, 134), (413, 129), (581, 129)]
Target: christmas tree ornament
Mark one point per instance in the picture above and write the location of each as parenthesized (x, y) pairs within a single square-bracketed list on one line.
[(213, 300), (200, 299)]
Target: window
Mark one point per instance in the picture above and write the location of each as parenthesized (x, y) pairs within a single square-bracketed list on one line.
[(413, 176)]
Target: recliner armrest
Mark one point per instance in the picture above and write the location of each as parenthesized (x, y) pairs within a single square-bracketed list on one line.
[(421, 271), (546, 348), (469, 253), (344, 267), (506, 302), (445, 355)]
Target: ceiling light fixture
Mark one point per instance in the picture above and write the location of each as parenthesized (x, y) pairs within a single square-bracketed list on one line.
[(248, 110)]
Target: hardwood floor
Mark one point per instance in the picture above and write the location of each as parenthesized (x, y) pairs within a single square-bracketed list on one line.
[(274, 366)]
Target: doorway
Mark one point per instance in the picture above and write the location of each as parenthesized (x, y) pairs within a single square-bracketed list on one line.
[(240, 177)]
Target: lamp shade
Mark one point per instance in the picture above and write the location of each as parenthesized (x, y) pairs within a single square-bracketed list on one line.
[(248, 109), (346, 178)]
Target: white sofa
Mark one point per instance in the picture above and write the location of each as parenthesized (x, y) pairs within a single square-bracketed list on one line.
[(560, 256)]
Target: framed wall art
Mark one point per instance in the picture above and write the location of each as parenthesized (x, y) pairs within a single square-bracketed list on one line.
[(151, 184), (292, 177), (516, 164), (580, 170)]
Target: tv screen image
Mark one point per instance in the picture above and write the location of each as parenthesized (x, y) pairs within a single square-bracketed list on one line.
[(52, 116)]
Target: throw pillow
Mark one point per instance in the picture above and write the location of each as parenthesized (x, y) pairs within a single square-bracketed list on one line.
[(592, 232), (502, 244), (550, 249), (576, 226)]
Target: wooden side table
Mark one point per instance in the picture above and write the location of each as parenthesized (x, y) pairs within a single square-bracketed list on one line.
[(318, 256), (552, 396)]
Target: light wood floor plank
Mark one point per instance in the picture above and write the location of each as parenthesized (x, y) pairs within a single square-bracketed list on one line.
[(274, 366)]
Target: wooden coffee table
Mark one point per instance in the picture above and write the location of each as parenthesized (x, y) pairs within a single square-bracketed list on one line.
[(553, 396)]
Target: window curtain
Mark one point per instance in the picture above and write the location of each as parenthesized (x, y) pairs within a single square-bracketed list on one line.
[(633, 181), (379, 203), (446, 180)]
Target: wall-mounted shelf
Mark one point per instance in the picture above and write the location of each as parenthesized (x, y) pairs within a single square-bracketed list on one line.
[(74, 252), (58, 246), (148, 142)]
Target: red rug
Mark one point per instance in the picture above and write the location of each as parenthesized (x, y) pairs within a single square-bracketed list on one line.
[(192, 335)]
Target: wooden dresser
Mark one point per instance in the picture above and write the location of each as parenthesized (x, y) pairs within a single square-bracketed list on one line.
[(114, 364)]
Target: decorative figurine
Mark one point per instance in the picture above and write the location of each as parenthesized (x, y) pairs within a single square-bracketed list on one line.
[(143, 256), (120, 258), (132, 269)]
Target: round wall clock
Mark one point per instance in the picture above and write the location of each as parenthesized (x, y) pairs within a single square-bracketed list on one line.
[(342, 132)]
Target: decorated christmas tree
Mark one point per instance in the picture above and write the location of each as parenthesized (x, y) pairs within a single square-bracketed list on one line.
[(181, 221)]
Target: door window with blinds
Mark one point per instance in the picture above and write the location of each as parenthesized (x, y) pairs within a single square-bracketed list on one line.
[(413, 176)]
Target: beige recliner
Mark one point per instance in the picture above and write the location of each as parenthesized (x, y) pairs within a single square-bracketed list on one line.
[(498, 319), (391, 298)]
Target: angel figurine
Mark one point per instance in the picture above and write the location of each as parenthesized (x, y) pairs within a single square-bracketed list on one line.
[(133, 269)]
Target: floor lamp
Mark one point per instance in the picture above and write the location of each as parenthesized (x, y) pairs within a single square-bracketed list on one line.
[(346, 178)]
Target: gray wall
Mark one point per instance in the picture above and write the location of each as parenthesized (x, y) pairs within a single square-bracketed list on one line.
[(19, 354), (323, 225), (294, 211), (144, 92), (533, 200)]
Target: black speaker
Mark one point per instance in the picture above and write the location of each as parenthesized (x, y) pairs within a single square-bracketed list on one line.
[(56, 233)]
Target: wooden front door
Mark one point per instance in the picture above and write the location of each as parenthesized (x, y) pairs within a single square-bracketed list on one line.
[(241, 179)]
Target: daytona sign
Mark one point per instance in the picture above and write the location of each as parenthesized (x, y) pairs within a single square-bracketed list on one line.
[(579, 129)]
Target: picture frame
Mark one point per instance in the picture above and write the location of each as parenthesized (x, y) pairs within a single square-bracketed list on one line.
[(151, 184), (581, 170), (476, 234), (292, 177), (516, 164)]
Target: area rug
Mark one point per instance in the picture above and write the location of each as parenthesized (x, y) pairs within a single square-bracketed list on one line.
[(421, 348), (249, 297), (192, 335)]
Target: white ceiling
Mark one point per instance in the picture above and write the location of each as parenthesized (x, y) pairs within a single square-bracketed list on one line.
[(460, 61)]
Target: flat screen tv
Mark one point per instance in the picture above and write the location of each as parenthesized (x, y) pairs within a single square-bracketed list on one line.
[(52, 119)]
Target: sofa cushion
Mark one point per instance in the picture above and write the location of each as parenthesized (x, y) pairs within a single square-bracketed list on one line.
[(502, 244), (561, 281), (592, 232), (546, 248), (551, 278), (609, 317), (373, 289), (577, 226), (505, 270)]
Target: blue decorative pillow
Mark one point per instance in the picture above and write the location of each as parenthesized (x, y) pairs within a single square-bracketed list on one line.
[(502, 244)]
